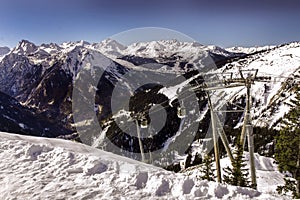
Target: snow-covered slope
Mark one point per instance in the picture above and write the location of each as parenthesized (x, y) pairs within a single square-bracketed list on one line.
[(267, 173), (169, 53), (110, 47), (39, 168), (156, 49), (248, 50), (271, 98)]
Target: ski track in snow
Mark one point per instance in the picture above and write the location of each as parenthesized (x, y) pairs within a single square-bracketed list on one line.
[(42, 168)]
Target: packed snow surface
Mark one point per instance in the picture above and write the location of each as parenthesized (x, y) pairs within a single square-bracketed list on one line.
[(41, 168)]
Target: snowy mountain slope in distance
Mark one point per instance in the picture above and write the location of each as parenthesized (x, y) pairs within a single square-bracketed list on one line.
[(110, 47), (156, 49), (40, 168), (271, 99), (269, 106), (248, 50), (163, 51)]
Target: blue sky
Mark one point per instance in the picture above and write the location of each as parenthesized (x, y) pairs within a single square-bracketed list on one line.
[(224, 23)]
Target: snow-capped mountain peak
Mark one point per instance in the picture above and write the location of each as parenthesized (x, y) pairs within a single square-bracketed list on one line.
[(51, 48), (197, 44), (68, 46), (25, 47), (113, 44), (155, 49), (167, 48), (110, 47)]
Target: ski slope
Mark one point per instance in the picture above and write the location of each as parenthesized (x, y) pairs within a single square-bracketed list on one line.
[(42, 168)]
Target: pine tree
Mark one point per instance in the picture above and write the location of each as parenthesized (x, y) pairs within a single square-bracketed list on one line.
[(238, 174), (289, 186), (207, 169), (287, 150)]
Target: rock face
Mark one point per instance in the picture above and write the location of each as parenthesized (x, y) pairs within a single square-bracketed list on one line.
[(42, 77), (39, 82), (15, 118), (19, 76)]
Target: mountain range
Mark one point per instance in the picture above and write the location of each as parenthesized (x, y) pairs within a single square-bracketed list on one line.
[(37, 92)]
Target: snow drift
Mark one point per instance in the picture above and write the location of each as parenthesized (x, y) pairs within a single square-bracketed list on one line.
[(41, 168)]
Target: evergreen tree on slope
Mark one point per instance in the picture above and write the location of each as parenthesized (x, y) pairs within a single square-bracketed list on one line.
[(207, 169), (288, 147), (238, 174)]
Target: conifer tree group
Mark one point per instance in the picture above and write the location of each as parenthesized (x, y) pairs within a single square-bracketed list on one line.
[(287, 151)]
